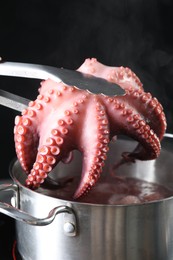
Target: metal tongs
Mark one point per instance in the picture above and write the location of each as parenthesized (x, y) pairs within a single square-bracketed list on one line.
[(73, 78)]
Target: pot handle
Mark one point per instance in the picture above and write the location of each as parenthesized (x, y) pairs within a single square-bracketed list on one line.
[(15, 213)]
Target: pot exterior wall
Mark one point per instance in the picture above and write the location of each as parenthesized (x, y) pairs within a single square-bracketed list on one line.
[(103, 232)]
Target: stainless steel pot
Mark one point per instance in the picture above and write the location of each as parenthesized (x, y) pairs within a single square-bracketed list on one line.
[(56, 229)]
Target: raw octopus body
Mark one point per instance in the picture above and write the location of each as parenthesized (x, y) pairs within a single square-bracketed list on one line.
[(64, 118)]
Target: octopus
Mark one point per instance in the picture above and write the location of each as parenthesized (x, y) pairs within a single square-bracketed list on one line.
[(64, 118)]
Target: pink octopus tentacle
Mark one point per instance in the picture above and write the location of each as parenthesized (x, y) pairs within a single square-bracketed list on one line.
[(127, 121), (57, 144), (53, 147), (94, 144), (49, 153), (31, 126), (26, 139), (151, 113), (149, 108)]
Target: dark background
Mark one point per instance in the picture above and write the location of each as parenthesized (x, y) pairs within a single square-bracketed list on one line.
[(134, 33)]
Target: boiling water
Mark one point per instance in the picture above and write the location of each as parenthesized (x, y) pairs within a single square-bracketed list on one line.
[(113, 190)]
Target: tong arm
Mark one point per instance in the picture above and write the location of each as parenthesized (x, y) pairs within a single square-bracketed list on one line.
[(13, 101), (26, 70), (70, 77)]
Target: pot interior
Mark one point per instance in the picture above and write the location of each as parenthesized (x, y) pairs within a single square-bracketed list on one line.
[(64, 178)]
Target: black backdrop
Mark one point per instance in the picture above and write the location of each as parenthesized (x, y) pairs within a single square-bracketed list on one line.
[(134, 33)]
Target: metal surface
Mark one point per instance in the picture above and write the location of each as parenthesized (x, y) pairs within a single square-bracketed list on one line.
[(13, 101), (73, 78), (111, 232), (22, 216), (14, 212)]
